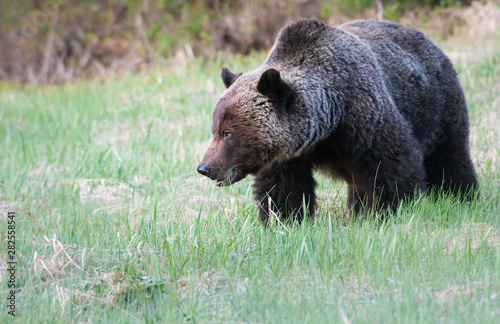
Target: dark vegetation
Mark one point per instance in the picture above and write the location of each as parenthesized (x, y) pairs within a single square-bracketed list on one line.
[(52, 41)]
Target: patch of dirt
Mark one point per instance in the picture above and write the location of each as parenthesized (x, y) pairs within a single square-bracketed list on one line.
[(473, 235), (111, 194)]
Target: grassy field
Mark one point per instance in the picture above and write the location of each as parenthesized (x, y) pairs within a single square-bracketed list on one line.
[(113, 224)]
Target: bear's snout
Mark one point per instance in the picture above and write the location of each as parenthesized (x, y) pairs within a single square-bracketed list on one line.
[(205, 170)]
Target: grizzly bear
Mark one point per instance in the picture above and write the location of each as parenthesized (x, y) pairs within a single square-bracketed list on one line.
[(373, 103)]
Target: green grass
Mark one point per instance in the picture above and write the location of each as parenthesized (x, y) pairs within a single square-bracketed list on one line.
[(115, 225)]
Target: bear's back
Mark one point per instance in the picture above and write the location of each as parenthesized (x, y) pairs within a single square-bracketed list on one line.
[(411, 66), (414, 70)]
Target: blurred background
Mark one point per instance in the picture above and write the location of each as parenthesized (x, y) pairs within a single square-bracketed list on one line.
[(56, 41)]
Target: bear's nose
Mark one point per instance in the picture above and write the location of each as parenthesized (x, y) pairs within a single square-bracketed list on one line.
[(204, 169)]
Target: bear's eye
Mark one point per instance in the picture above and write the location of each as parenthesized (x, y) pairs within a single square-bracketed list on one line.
[(226, 134)]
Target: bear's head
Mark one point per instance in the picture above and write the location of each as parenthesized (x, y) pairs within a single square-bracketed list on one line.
[(248, 126)]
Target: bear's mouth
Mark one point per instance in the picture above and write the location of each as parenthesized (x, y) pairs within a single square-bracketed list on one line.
[(223, 183), (231, 177)]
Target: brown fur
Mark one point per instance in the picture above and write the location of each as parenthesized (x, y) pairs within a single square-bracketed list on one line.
[(373, 103)]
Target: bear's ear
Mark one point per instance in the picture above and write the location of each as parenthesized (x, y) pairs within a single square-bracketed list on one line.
[(269, 83), (228, 77)]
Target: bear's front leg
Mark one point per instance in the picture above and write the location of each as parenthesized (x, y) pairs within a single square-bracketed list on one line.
[(290, 187)]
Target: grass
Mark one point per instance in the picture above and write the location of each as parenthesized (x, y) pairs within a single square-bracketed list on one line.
[(113, 224)]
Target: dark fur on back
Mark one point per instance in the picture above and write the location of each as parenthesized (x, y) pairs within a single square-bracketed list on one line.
[(373, 103)]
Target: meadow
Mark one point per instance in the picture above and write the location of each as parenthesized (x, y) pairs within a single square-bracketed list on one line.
[(114, 225)]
